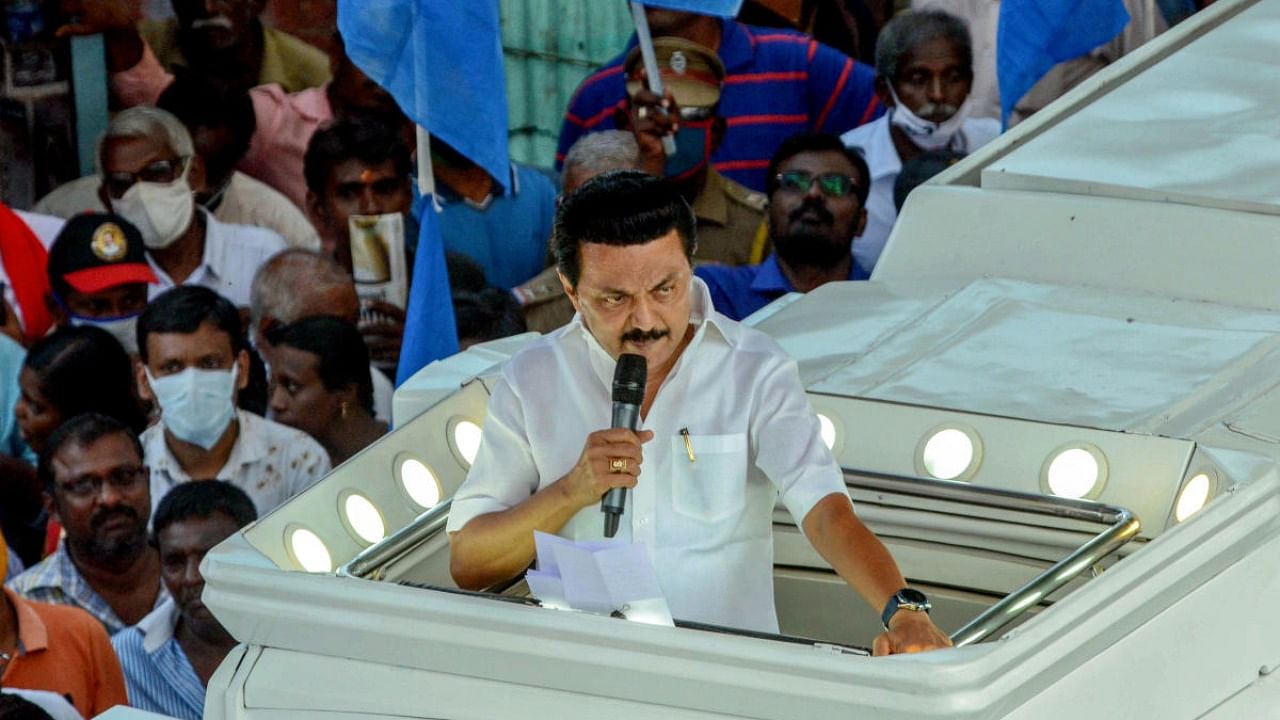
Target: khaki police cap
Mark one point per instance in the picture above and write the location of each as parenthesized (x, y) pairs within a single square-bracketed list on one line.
[(690, 71)]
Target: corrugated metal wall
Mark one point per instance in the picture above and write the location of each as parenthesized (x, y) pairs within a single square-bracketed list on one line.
[(549, 47)]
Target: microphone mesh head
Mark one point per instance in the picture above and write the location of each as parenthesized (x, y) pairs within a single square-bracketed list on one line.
[(629, 378)]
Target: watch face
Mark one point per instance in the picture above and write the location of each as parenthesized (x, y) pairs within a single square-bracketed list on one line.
[(915, 597)]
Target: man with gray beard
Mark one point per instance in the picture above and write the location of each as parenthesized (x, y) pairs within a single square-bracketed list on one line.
[(924, 75), (97, 486), (817, 192)]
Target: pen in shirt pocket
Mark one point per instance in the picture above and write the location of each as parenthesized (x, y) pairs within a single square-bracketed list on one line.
[(688, 444)]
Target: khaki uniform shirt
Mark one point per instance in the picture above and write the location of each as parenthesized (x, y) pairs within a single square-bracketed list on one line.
[(731, 231), (292, 63)]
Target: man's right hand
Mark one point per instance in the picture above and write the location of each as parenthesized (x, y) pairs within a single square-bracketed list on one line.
[(595, 472), (117, 20)]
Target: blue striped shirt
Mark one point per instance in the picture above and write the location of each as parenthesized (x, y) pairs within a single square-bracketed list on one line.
[(777, 83), (157, 674)]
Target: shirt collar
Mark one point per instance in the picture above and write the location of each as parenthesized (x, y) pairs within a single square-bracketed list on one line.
[(211, 262), (249, 448), (711, 204), (881, 155), (770, 278), (32, 634), (448, 196), (158, 626)]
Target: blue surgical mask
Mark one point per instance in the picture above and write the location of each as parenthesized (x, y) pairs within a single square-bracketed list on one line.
[(693, 150), (196, 406)]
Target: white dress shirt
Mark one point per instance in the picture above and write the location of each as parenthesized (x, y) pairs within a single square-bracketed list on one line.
[(232, 256), (885, 165), (270, 462), (708, 522)]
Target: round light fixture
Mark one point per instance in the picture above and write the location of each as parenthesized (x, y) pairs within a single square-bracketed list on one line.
[(1193, 498), (419, 483), (827, 430), (948, 454), (466, 440), (308, 550), (363, 518), (1075, 472)]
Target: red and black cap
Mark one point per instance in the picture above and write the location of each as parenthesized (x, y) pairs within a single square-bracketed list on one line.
[(97, 251)]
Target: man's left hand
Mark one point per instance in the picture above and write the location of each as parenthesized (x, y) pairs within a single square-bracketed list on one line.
[(909, 632)]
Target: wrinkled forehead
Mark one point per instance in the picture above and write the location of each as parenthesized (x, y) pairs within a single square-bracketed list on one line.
[(131, 153), (633, 268)]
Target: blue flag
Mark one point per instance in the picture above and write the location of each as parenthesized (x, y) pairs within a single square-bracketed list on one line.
[(1035, 35), (442, 61), (719, 8)]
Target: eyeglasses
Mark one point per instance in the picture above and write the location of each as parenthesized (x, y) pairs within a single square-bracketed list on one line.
[(121, 479), (832, 185), (160, 171)]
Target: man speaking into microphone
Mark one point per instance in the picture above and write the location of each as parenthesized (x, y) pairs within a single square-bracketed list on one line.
[(725, 429)]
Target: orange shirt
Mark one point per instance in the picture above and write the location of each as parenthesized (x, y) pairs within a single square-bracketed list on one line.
[(65, 650)]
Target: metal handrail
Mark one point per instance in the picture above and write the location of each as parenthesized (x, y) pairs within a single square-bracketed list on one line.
[(374, 557), (1122, 527)]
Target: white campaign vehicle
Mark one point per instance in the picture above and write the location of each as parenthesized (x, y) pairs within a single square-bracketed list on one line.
[(1058, 402)]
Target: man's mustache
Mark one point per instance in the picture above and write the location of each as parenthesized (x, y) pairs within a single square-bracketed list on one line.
[(937, 112), (817, 207), (101, 517), (217, 21), (638, 335)]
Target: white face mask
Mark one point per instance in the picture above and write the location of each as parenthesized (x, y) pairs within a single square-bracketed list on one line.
[(162, 212), (123, 329), (926, 134), (196, 405)]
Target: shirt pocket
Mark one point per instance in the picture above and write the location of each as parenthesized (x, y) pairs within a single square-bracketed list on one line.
[(712, 487)]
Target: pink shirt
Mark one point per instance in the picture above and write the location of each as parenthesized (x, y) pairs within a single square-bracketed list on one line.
[(286, 122)]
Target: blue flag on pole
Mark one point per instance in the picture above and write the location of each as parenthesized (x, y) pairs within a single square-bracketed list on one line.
[(1035, 35), (442, 61), (719, 8)]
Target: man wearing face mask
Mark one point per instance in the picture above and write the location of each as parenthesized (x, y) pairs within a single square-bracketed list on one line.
[(924, 74), (98, 275), (729, 215), (150, 175), (194, 364)]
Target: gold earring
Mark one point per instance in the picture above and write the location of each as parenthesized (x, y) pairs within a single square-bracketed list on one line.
[(345, 408)]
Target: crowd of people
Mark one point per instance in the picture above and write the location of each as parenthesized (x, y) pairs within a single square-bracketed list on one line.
[(200, 330)]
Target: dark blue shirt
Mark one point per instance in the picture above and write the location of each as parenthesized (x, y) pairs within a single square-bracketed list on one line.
[(739, 291)]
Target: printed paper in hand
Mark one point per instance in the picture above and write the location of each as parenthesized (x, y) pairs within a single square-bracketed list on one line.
[(598, 577), (377, 257)]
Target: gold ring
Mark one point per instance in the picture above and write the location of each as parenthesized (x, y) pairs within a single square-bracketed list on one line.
[(642, 112), (618, 465)]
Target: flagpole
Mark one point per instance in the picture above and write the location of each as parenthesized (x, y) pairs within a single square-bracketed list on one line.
[(645, 41), (426, 178)]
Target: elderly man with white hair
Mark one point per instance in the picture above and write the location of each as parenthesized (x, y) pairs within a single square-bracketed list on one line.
[(150, 174)]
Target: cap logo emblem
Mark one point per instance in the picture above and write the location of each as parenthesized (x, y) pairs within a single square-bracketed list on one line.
[(109, 243), (679, 63)]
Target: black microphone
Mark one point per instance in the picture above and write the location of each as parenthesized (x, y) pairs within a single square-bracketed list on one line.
[(628, 396)]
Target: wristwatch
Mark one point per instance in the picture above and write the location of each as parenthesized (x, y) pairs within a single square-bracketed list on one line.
[(905, 599)]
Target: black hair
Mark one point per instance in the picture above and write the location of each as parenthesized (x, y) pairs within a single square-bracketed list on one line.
[(919, 169), (85, 370), (201, 499), (805, 142), (344, 357), (367, 138), (488, 314), (200, 102), (623, 207), (183, 310), (16, 707), (465, 274), (81, 430), (908, 30)]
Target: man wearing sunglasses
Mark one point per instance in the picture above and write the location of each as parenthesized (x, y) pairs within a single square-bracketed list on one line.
[(817, 190), (150, 175)]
